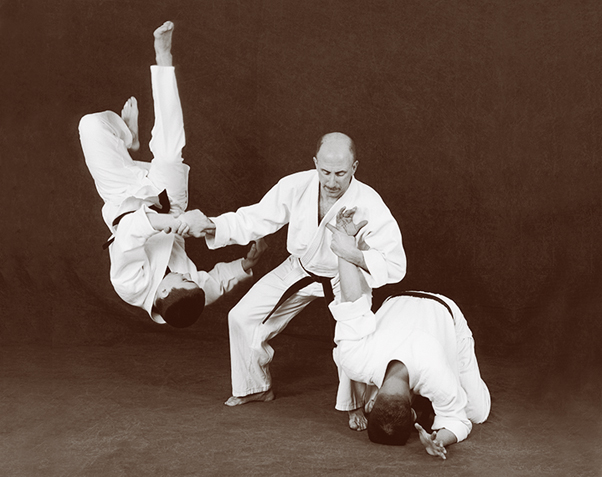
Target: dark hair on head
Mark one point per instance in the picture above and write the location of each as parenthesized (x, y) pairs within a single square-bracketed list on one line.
[(390, 422), (182, 307), (351, 146)]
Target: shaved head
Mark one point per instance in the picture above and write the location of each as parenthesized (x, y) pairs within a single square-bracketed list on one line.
[(337, 141), (335, 162)]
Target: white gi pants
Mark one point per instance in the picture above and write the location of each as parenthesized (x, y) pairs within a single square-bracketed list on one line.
[(250, 352), (477, 393), (478, 398), (105, 138)]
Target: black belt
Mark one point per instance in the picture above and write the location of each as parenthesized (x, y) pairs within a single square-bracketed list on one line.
[(162, 209), (417, 294), (302, 283)]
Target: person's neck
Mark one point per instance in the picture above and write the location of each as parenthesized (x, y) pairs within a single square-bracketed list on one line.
[(397, 379), (325, 203)]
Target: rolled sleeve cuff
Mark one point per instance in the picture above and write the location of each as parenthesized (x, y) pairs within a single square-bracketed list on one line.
[(459, 428), (240, 272), (137, 221), (377, 275), (221, 236), (355, 320)]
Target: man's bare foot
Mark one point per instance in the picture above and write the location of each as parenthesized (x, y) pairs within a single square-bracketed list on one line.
[(263, 396), (129, 114), (163, 44), (357, 420)]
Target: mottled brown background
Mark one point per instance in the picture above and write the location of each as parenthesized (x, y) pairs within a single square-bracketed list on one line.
[(479, 122)]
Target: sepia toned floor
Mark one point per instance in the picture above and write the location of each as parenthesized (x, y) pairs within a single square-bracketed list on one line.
[(152, 404), (478, 123)]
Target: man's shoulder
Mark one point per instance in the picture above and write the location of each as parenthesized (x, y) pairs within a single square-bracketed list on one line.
[(300, 176), (368, 193), (298, 180)]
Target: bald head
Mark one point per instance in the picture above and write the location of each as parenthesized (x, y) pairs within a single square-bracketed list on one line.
[(335, 162), (336, 141)]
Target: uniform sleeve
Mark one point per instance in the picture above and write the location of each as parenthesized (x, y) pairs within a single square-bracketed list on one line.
[(130, 272), (449, 401), (383, 249), (254, 221), (222, 279), (355, 320)]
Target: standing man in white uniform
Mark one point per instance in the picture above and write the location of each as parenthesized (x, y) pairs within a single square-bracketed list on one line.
[(144, 205), (306, 201), (416, 343)]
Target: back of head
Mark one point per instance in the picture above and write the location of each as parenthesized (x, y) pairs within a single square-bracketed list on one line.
[(391, 421), (182, 307)]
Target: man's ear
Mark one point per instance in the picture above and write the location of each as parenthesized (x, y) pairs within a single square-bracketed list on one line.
[(414, 416), (354, 166), (162, 292), (315, 162)]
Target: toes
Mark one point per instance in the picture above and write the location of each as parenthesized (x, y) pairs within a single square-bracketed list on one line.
[(232, 401)]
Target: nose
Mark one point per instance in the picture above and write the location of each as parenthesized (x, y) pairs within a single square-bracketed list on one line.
[(331, 181)]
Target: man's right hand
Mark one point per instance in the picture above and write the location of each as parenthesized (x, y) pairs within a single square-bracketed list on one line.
[(343, 237), (198, 223)]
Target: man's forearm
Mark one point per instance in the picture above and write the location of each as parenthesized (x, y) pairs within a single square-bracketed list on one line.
[(351, 281), (357, 259), (446, 437), (162, 222)]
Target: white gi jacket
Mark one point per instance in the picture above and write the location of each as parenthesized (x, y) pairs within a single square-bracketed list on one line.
[(294, 201), (140, 255), (418, 332)]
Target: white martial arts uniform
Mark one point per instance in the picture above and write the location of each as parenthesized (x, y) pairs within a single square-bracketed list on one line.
[(437, 350), (294, 201), (140, 254)]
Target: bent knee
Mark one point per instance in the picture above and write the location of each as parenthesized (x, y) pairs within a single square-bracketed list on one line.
[(242, 320), (478, 409), (93, 123), (88, 123), (479, 417)]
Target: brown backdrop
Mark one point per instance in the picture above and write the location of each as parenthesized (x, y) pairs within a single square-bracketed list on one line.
[(478, 122)]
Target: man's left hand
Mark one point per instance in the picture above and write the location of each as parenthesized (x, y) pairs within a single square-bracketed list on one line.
[(430, 442), (254, 254)]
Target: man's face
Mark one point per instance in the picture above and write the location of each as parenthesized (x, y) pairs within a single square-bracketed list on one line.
[(335, 166), (175, 280)]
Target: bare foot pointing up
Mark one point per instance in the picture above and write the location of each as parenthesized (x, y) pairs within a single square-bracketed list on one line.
[(163, 44)]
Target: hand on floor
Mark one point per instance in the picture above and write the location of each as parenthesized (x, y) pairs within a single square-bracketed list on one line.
[(430, 442)]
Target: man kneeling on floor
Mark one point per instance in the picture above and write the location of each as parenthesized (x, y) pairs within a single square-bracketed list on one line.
[(417, 343)]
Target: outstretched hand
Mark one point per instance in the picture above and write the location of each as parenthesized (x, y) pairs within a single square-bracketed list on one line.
[(197, 224), (430, 442), (345, 221), (343, 235), (254, 254)]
